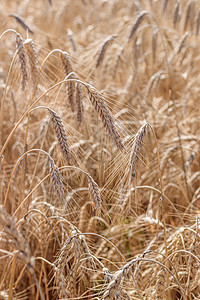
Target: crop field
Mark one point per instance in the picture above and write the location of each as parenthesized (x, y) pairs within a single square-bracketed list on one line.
[(100, 149)]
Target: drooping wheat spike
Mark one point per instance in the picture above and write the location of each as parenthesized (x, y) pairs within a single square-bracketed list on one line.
[(177, 13), (30, 50), (16, 238), (190, 8), (137, 144), (137, 23), (197, 23), (1, 161), (71, 39), (94, 194), (21, 22), (160, 284), (56, 179), (67, 65), (103, 50), (114, 285), (99, 103), (154, 79), (61, 134), (22, 60), (154, 44), (165, 3), (79, 102), (179, 47)]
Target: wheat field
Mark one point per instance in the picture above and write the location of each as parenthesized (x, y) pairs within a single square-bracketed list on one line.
[(100, 149)]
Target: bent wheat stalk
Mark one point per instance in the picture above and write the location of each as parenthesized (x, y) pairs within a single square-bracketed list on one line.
[(54, 171)]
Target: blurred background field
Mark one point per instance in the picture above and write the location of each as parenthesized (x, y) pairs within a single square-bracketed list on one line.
[(100, 149)]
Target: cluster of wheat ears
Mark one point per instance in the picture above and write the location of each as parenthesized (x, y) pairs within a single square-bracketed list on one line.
[(100, 149)]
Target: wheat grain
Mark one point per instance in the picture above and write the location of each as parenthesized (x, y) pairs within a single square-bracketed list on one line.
[(99, 103), (22, 60), (61, 134)]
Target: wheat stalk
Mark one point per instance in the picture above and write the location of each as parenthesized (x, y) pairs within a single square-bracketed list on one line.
[(61, 134), (99, 103)]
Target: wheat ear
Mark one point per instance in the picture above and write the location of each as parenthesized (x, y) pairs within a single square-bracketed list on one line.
[(79, 102), (103, 50), (114, 285), (61, 134), (30, 50), (67, 65), (94, 194), (197, 22), (22, 60), (160, 284), (16, 238), (71, 39), (99, 103), (21, 22), (137, 23), (56, 179), (136, 149), (177, 13)]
